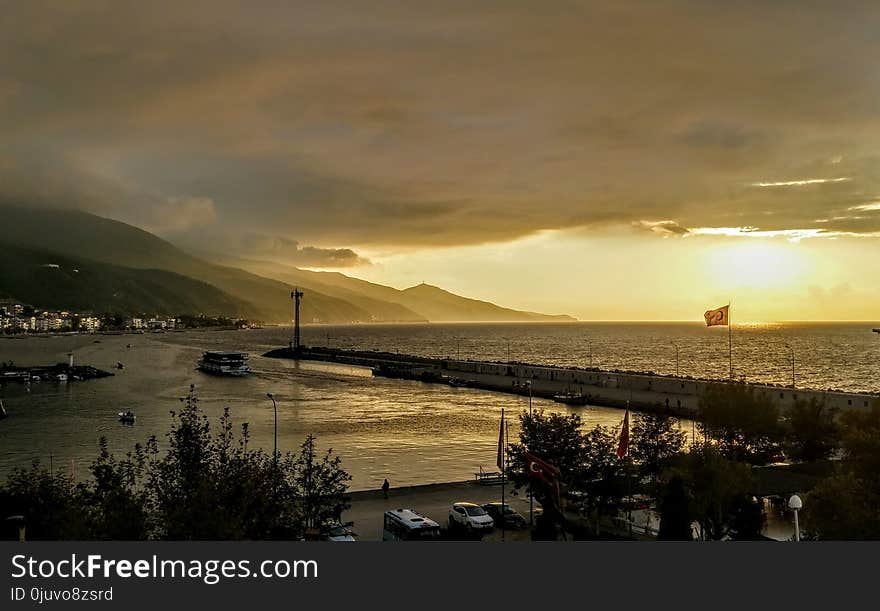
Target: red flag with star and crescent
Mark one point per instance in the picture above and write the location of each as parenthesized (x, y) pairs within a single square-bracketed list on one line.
[(623, 444), (540, 469), (500, 461)]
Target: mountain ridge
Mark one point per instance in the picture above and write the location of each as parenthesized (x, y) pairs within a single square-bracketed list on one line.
[(260, 290)]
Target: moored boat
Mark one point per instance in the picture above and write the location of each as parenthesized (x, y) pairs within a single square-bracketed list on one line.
[(127, 417), (571, 398)]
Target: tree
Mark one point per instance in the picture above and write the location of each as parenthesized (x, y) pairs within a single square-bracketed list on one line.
[(717, 487), (557, 439), (839, 508), (604, 479), (208, 485), (675, 511), (811, 430), (656, 441), (319, 484), (587, 461), (741, 421), (554, 437), (50, 503), (117, 505), (847, 506)]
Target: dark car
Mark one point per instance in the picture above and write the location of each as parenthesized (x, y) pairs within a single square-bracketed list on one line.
[(511, 518)]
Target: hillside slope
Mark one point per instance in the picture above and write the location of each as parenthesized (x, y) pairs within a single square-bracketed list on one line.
[(439, 304), (78, 234), (263, 292), (425, 301), (51, 281)]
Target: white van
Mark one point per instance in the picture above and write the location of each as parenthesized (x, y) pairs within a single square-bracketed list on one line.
[(408, 525)]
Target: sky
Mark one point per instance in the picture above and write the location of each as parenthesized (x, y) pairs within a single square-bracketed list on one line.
[(611, 159)]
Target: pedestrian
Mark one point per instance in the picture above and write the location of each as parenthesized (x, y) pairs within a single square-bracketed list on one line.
[(385, 487)]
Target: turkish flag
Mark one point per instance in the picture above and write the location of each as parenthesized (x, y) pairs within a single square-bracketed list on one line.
[(500, 461), (623, 444), (538, 468)]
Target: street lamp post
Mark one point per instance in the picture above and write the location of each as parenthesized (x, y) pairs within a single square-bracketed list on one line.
[(796, 504), (529, 385), (19, 521), (674, 345), (275, 445)]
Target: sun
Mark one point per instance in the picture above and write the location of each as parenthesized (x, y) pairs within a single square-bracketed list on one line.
[(756, 264)]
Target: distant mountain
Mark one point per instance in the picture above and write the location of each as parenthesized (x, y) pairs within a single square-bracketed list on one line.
[(53, 281), (438, 304), (82, 235), (263, 291), (422, 301)]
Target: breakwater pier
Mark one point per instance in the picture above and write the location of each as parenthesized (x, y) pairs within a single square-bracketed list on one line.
[(648, 392), (60, 372)]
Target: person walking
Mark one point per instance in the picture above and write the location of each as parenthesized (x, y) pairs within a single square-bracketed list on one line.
[(385, 487)]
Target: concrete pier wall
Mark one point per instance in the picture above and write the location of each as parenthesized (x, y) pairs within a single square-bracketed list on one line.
[(648, 392), (658, 392)]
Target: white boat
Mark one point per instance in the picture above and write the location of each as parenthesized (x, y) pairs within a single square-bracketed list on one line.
[(571, 398), (127, 417), (61, 377), (225, 363)]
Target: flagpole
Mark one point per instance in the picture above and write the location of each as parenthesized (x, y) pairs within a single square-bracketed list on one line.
[(506, 458), (503, 469), (730, 340)]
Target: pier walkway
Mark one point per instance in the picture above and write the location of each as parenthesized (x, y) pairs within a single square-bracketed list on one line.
[(641, 391)]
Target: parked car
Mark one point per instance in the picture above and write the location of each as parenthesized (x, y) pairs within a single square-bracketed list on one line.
[(470, 517), (505, 514), (338, 532)]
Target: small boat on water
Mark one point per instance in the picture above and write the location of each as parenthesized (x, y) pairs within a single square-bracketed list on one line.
[(127, 417), (571, 398), (3, 413), (457, 382), (225, 363), (61, 377), (120, 366)]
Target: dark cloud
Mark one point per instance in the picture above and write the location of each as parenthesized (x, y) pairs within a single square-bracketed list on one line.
[(289, 251), (346, 123), (663, 227)]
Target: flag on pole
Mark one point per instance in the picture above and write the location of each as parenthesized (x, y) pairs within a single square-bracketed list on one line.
[(718, 316), (540, 469), (623, 444), (500, 461)]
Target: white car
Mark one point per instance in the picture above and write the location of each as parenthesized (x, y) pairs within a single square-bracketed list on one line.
[(338, 532), (470, 517)]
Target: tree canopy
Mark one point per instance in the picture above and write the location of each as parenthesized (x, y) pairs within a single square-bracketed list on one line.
[(208, 485), (742, 422)]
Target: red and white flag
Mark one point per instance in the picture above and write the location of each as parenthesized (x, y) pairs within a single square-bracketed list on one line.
[(538, 468), (500, 461), (718, 316), (623, 444)]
